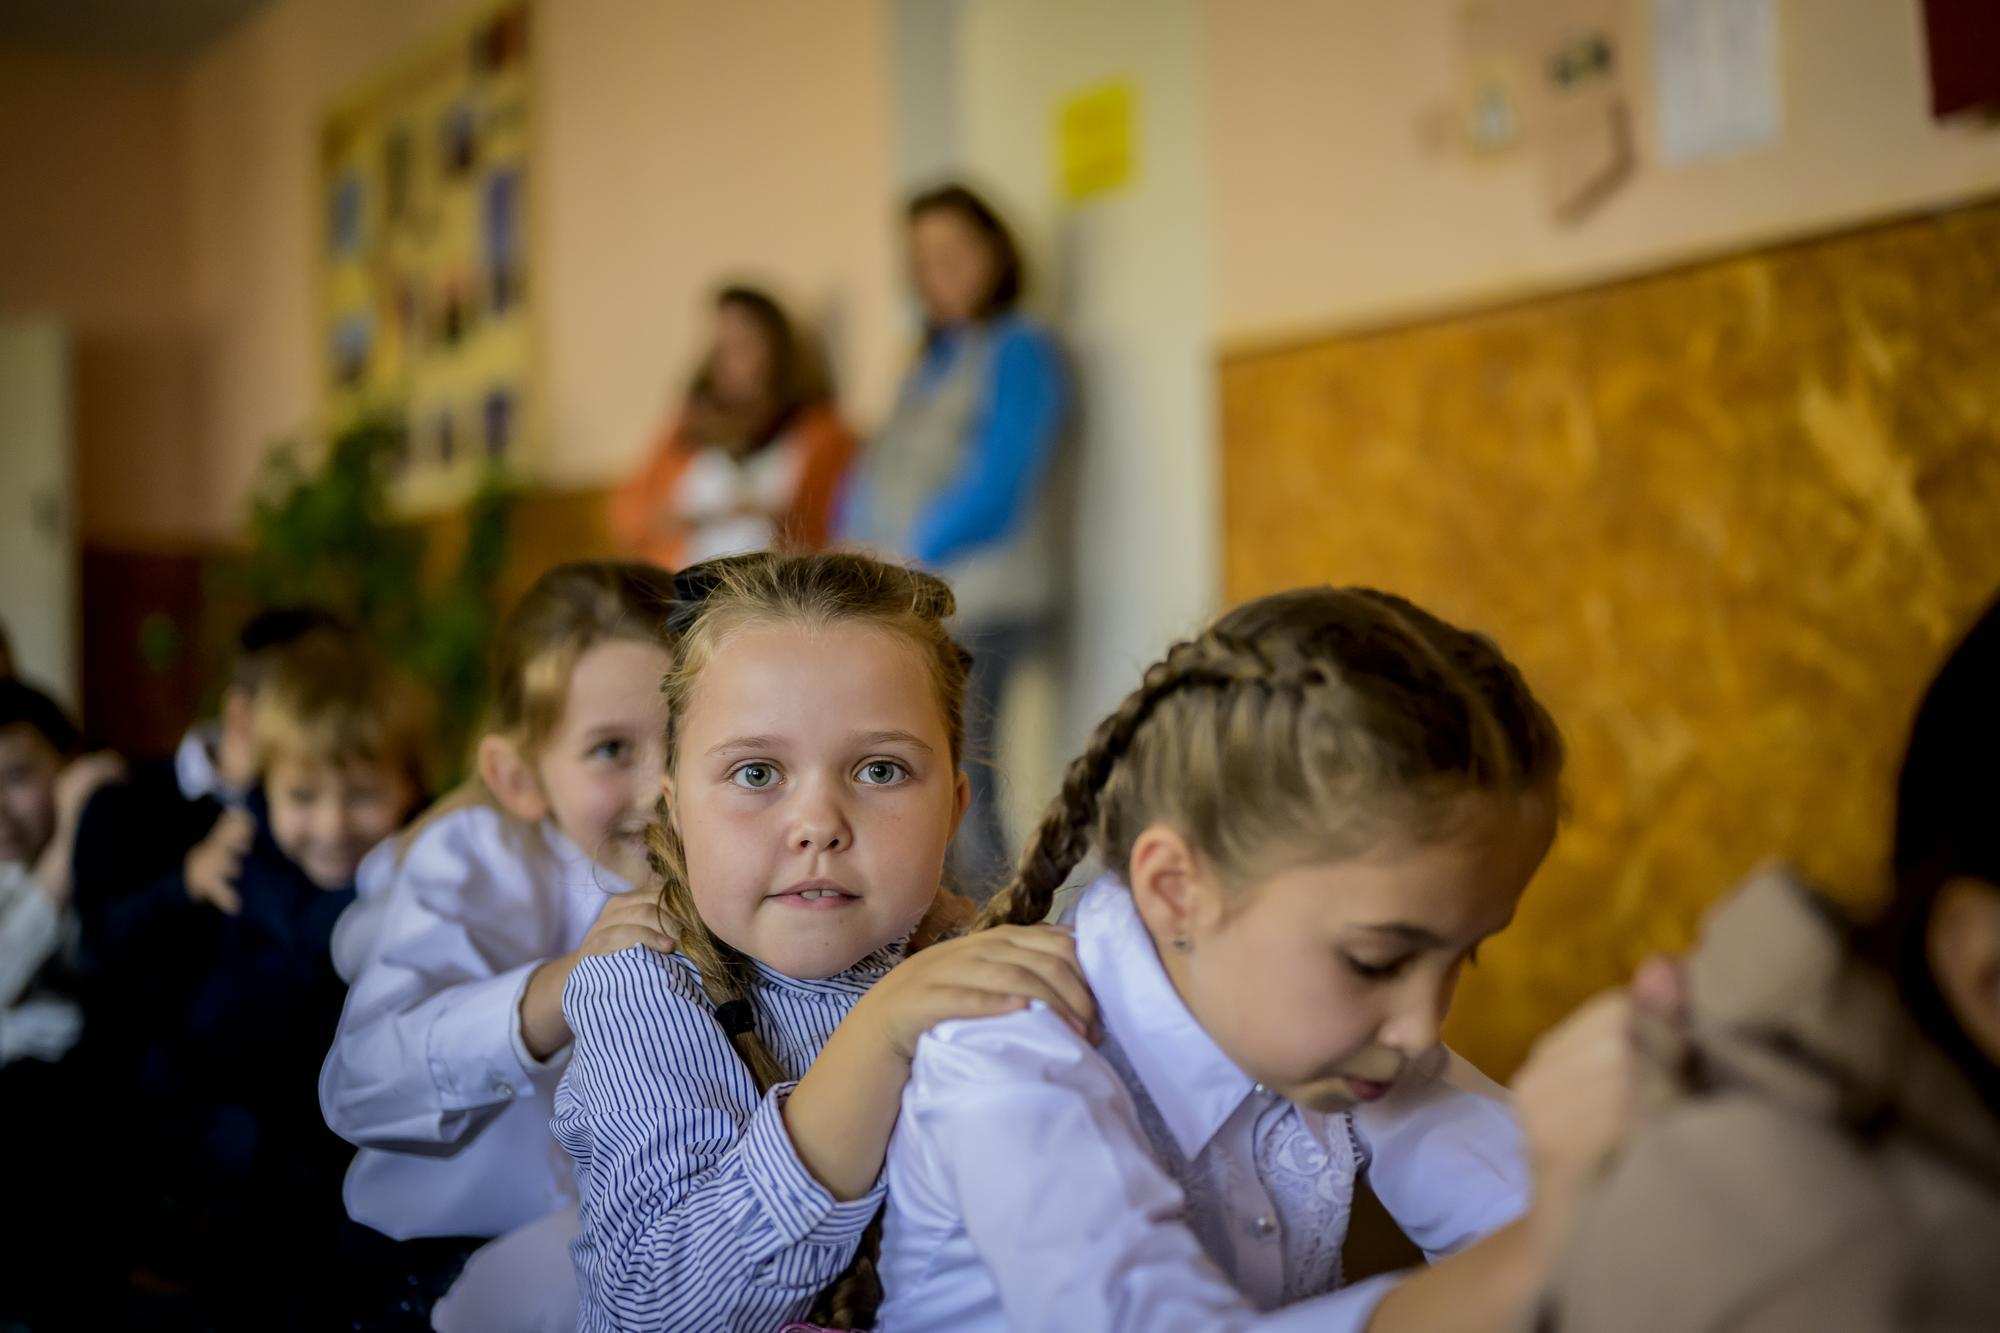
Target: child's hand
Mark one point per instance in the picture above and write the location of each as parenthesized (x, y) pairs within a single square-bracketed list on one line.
[(79, 781), (74, 787), (949, 914), (993, 972), (1578, 1094), (625, 920), (212, 866)]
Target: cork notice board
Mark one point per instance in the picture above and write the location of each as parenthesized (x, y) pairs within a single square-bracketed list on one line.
[(1726, 518)]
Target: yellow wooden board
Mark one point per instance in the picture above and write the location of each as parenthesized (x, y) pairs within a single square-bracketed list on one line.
[(1726, 518), (1094, 141)]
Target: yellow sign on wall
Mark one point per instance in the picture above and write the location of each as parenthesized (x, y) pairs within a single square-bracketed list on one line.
[(1094, 149)]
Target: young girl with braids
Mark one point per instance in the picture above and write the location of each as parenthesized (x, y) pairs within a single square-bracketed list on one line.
[(1309, 817), (728, 1105)]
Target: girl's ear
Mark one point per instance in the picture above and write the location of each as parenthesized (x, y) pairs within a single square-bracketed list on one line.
[(1177, 899), (511, 778)]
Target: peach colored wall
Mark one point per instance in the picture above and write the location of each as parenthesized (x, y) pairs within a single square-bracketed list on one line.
[(1329, 213), (675, 143), (91, 236)]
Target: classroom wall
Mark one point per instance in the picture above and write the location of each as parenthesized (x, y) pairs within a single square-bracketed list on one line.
[(92, 238), (1124, 275), (1330, 212), (675, 144)]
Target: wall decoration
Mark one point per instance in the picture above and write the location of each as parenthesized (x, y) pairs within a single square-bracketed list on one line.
[(427, 282), (1094, 132), (1726, 518)]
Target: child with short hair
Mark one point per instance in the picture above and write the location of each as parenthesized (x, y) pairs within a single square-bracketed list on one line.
[(1308, 818), (185, 822), (728, 1104), (249, 997)]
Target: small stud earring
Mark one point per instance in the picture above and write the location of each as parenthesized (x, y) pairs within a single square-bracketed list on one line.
[(1182, 944)]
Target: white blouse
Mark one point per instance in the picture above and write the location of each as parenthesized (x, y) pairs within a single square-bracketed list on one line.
[(1036, 1182), (428, 1074)]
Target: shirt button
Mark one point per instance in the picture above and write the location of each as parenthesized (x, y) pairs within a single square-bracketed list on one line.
[(1259, 1089), (503, 1088), (1263, 1227)]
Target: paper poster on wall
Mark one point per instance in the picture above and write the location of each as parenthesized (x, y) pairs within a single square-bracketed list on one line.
[(1552, 76), (1094, 141), (1716, 62), (426, 286)]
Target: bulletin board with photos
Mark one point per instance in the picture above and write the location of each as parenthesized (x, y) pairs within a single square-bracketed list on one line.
[(426, 275)]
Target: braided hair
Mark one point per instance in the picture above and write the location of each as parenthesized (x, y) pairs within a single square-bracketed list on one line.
[(713, 600), (1301, 726)]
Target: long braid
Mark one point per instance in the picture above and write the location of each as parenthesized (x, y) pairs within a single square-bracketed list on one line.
[(1063, 838), (1323, 713), (725, 973)]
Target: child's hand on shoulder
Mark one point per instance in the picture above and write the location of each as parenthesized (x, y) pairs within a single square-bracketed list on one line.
[(1578, 1095), (213, 864), (993, 972), (627, 919)]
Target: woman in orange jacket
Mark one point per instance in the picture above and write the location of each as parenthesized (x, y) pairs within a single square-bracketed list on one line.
[(756, 456)]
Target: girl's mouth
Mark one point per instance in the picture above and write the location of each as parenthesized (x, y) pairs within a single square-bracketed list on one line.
[(1367, 1089), (818, 895)]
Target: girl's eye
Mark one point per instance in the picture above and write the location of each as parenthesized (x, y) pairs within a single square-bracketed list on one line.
[(1374, 971), (881, 772), (755, 777), (613, 749)]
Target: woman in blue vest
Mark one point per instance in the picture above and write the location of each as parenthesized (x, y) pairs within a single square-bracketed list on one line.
[(958, 479)]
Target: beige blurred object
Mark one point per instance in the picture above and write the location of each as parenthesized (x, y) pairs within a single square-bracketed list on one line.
[(1725, 518)]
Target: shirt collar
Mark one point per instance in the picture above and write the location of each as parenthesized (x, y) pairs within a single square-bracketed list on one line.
[(194, 765), (1195, 1086)]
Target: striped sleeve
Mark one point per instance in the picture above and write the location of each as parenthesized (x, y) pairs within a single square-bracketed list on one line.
[(696, 1212)]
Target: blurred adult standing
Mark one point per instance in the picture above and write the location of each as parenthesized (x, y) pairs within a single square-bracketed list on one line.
[(754, 457), (958, 478)]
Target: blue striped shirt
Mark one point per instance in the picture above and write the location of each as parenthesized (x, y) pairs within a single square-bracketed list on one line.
[(696, 1212)]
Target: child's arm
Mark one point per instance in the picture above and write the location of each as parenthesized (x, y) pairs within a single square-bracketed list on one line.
[(698, 1194), (691, 1196), (1576, 1096), (429, 1045), (1444, 1155), (845, 1107)]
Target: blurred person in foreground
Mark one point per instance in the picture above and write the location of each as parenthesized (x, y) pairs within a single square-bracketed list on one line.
[(1823, 1148)]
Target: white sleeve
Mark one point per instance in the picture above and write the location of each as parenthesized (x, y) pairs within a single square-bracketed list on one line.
[(30, 930), (429, 1045), (1445, 1157), (1042, 1154)]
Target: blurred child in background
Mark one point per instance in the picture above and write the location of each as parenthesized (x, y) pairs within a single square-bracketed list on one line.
[(444, 1069), (245, 994)]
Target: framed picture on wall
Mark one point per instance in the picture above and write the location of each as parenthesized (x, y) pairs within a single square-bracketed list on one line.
[(427, 282)]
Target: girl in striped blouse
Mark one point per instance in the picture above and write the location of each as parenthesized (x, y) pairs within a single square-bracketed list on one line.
[(728, 1106)]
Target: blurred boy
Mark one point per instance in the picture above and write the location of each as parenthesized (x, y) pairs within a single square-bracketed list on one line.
[(248, 998), (184, 823)]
